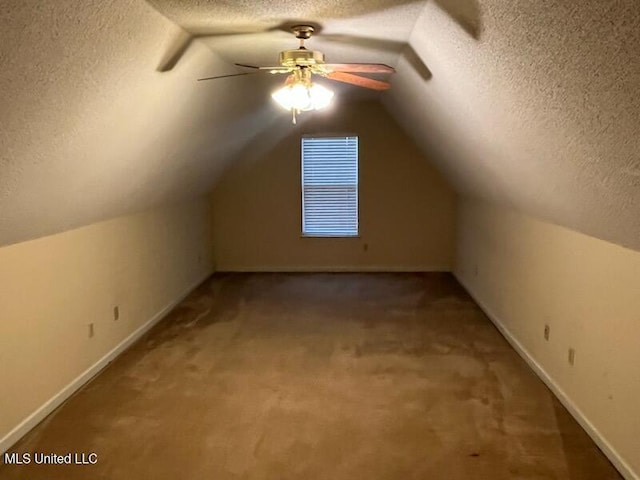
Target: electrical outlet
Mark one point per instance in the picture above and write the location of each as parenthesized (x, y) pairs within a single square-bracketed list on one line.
[(91, 332), (116, 312), (546, 332), (475, 270), (572, 356), (365, 247)]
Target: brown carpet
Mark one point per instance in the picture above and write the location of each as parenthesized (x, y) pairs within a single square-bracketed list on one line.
[(318, 376)]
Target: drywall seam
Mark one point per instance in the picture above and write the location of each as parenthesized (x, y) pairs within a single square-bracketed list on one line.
[(54, 402), (616, 459), (335, 268)]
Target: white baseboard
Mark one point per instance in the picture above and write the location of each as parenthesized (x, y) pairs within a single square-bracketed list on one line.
[(616, 459), (334, 268), (54, 402)]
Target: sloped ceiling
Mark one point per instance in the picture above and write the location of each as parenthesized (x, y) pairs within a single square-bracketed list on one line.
[(540, 112), (533, 105), (90, 129)]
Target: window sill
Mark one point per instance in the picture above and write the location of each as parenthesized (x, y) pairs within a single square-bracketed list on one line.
[(306, 235)]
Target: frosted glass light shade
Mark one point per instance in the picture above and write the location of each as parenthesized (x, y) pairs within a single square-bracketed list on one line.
[(301, 97)]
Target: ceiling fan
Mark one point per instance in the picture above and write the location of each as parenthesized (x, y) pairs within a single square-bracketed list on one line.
[(299, 93)]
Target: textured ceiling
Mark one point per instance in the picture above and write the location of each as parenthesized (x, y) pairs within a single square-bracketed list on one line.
[(540, 112), (91, 130), (532, 105)]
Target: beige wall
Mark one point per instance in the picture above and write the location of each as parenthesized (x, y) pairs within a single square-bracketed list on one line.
[(406, 209), (526, 274), (53, 287)]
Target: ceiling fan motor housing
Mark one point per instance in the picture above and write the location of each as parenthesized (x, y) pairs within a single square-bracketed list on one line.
[(300, 57), (303, 32)]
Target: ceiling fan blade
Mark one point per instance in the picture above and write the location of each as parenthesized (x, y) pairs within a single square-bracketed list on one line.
[(226, 76), (246, 66), (278, 69), (394, 46), (273, 69), (358, 80), (359, 67)]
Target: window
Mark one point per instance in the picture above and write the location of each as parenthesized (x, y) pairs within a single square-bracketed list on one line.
[(330, 186)]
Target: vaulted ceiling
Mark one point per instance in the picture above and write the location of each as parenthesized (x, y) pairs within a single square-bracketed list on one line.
[(531, 105)]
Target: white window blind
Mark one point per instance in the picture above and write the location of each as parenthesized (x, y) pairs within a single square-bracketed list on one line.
[(330, 186)]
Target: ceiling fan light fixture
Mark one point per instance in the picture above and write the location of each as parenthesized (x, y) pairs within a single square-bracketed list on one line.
[(299, 93), (303, 96), (321, 96)]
